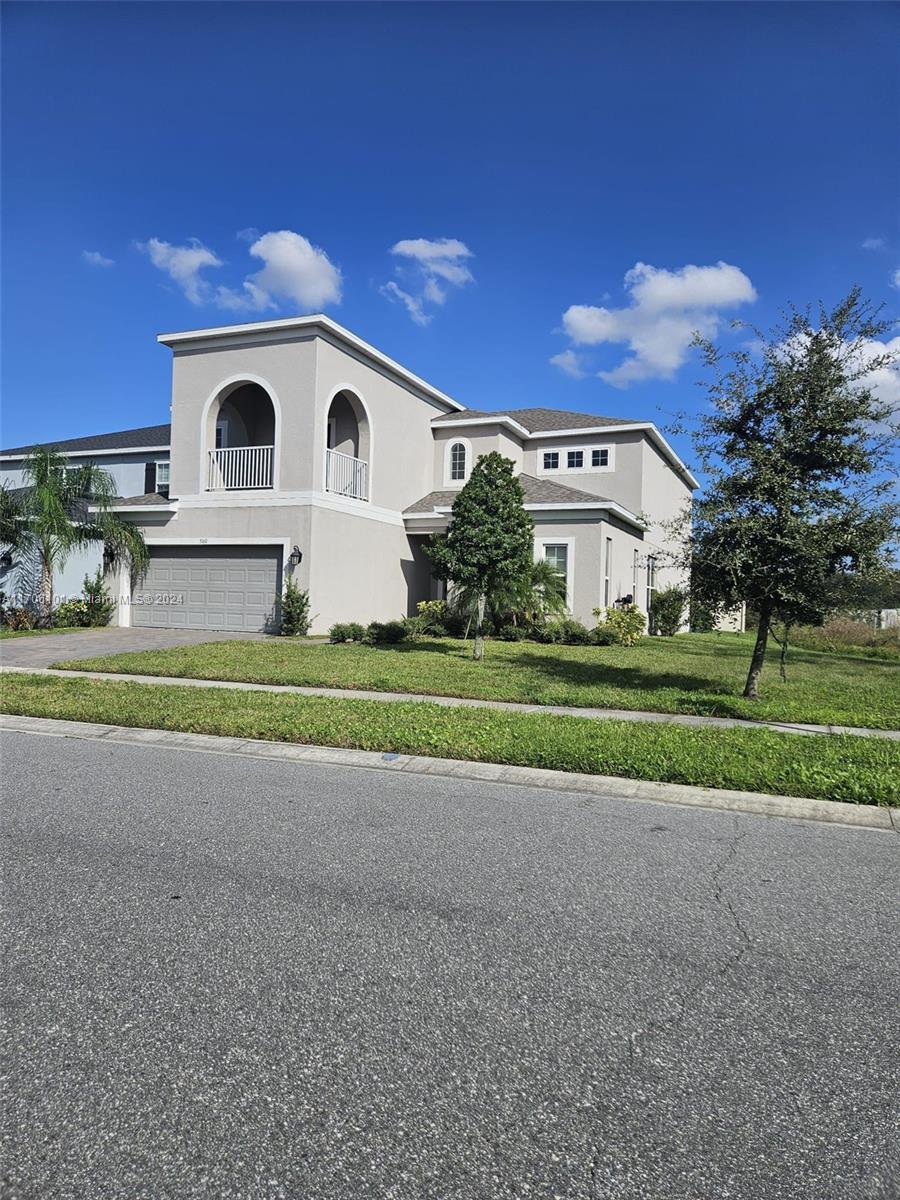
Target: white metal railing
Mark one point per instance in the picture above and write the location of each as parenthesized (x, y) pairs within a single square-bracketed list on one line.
[(346, 475), (240, 467)]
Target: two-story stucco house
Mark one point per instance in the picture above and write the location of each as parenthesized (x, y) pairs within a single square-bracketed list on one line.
[(295, 446)]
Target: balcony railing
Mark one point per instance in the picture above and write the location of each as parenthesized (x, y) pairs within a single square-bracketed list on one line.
[(346, 475), (240, 468)]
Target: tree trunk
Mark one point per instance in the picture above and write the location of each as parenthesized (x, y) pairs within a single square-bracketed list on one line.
[(478, 652), (751, 689), (46, 595)]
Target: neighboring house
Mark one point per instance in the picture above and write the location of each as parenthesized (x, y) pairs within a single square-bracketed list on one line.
[(295, 446)]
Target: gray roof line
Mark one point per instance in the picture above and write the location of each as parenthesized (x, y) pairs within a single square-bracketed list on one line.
[(125, 439)]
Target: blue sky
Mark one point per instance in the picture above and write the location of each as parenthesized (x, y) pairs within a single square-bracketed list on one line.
[(508, 199)]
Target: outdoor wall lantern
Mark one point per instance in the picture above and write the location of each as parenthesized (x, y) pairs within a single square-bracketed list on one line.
[(295, 557)]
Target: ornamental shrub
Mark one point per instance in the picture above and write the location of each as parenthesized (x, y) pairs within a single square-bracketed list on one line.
[(567, 631), (511, 633), (626, 624), (295, 618), (93, 607), (432, 616), (339, 633), (667, 610), (388, 633)]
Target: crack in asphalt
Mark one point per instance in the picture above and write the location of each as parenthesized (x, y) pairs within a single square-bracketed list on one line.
[(683, 1000)]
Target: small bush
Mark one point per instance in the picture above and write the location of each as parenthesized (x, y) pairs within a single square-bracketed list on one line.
[(18, 618), (667, 611), (432, 617), (604, 636), (626, 624), (355, 632), (455, 623), (92, 608), (339, 633), (295, 618), (385, 633), (511, 633), (566, 631)]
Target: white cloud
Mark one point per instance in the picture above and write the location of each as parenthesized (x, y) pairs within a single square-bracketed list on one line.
[(295, 270), (885, 380), (95, 259), (570, 362), (183, 265), (895, 279), (431, 268), (667, 308), (874, 243), (413, 305)]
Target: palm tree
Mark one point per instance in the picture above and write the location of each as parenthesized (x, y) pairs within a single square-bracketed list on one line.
[(64, 508), (538, 593)]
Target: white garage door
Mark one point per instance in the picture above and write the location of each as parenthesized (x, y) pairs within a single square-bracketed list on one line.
[(216, 587)]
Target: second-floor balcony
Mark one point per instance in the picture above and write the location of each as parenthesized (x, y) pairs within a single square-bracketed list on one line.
[(240, 468), (346, 475)]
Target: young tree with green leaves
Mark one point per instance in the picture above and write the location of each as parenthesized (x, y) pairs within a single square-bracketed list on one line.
[(489, 545), (64, 508), (797, 449)]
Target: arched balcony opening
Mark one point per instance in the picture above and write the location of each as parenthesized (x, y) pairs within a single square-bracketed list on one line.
[(347, 447), (240, 439)]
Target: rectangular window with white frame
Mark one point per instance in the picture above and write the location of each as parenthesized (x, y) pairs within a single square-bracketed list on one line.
[(651, 582), (635, 577), (560, 553), (162, 473), (583, 459)]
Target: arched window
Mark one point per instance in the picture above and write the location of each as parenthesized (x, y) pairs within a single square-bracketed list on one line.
[(457, 461)]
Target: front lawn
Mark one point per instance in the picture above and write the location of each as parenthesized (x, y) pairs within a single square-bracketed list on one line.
[(692, 673), (845, 768)]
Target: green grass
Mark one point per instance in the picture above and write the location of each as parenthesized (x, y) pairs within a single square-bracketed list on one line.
[(692, 673), (844, 768), (16, 633)]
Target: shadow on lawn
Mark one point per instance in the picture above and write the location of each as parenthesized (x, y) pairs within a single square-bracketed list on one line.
[(587, 674)]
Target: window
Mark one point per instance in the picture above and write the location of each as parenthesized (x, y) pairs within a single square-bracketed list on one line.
[(457, 461), (607, 571), (600, 457), (551, 460), (651, 581), (635, 570), (221, 435), (575, 460), (162, 474), (558, 558)]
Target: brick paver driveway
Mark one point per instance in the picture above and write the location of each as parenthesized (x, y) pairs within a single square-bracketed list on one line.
[(49, 648)]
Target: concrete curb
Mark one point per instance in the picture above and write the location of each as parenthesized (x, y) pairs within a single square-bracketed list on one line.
[(601, 787), (590, 714)]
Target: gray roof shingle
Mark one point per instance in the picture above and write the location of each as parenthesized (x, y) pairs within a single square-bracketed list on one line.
[(126, 439), (542, 420), (147, 498), (537, 491)]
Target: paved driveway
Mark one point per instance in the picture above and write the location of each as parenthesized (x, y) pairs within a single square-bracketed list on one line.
[(230, 977), (49, 648)]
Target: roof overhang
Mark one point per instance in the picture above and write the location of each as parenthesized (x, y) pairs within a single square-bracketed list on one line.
[(438, 423), (442, 512), (92, 453), (255, 331)]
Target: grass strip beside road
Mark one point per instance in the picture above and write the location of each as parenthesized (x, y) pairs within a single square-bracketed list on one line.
[(693, 673), (842, 768)]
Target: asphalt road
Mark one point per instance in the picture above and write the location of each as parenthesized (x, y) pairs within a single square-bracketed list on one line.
[(229, 977)]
